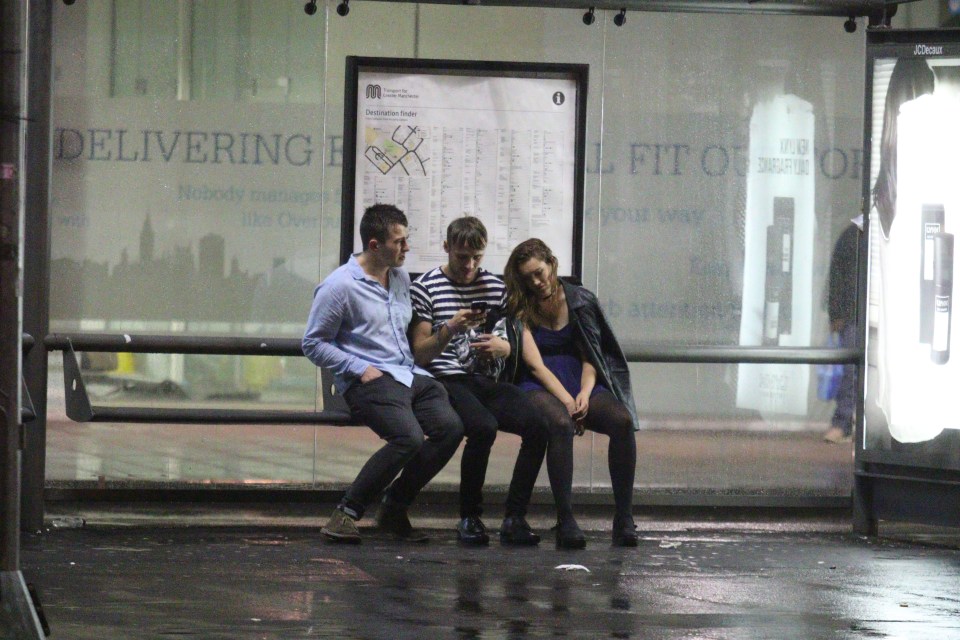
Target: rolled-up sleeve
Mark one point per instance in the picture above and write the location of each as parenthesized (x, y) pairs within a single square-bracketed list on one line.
[(323, 326)]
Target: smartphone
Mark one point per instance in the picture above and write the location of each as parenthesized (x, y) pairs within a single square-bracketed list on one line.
[(478, 305)]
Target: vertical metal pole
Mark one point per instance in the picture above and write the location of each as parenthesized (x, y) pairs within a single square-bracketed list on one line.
[(36, 256), (10, 252), (18, 618)]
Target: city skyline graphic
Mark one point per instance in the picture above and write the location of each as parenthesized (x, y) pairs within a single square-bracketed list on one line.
[(182, 284)]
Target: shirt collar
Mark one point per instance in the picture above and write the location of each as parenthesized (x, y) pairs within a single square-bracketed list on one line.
[(357, 272), (354, 268)]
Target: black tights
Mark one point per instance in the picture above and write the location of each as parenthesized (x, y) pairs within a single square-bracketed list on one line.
[(606, 415)]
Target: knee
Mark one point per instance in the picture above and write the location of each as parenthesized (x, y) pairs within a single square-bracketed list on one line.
[(538, 434), (480, 432), (452, 430), (622, 426), (561, 429), (408, 444)]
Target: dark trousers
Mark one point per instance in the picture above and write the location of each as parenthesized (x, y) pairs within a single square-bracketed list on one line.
[(421, 430), (484, 406), (847, 393)]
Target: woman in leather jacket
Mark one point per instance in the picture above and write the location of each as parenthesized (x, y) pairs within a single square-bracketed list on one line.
[(573, 370)]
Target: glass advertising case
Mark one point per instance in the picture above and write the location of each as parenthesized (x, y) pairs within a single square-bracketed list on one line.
[(911, 415)]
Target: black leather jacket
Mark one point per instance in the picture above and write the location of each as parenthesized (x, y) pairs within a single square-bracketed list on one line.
[(600, 345), (514, 365), (595, 337)]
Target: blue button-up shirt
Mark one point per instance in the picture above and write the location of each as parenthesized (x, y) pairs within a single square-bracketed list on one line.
[(355, 323)]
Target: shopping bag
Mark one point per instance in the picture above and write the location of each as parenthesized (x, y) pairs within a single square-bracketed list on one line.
[(829, 375)]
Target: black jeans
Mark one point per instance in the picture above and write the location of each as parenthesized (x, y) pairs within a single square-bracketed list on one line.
[(484, 406), (422, 432)]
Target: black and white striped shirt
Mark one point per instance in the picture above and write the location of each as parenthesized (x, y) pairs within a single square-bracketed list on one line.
[(436, 298)]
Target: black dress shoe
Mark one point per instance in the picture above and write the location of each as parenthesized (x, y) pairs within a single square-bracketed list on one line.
[(569, 535), (515, 530), (470, 530), (624, 532)]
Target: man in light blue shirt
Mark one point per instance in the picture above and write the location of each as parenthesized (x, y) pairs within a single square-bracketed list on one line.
[(357, 329)]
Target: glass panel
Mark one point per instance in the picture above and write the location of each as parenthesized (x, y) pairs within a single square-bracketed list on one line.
[(358, 33), (733, 452), (216, 227), (229, 209), (108, 452), (720, 206), (728, 448), (164, 380), (692, 186), (188, 217), (220, 57), (145, 39)]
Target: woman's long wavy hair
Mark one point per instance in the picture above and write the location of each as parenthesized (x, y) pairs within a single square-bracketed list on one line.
[(911, 78), (521, 303)]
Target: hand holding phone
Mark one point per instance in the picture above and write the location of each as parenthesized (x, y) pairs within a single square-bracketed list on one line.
[(478, 310), (468, 318)]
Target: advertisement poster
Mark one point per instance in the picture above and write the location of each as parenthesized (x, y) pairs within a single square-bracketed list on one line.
[(441, 146), (913, 372), (778, 253), (184, 217)]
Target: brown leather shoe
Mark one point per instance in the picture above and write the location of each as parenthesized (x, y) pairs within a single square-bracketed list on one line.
[(341, 528)]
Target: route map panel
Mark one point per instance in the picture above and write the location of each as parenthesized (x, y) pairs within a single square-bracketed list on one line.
[(444, 145)]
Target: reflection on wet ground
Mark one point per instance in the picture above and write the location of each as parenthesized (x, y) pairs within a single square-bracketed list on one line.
[(688, 579)]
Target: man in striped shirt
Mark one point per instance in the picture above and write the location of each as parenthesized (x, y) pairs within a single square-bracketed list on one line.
[(458, 334)]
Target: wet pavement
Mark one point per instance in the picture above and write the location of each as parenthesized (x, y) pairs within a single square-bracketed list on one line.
[(240, 573)]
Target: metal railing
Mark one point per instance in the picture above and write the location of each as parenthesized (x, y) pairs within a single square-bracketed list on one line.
[(80, 409), (738, 354), (335, 412)]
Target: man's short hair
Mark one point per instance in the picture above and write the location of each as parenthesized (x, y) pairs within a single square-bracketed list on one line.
[(467, 231), (376, 223)]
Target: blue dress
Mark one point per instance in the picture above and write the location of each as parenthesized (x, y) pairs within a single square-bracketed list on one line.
[(559, 352)]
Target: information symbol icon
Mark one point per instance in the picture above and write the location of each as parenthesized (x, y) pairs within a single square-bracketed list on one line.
[(558, 98)]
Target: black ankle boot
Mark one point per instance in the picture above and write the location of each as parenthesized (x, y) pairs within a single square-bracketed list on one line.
[(569, 535), (624, 532)]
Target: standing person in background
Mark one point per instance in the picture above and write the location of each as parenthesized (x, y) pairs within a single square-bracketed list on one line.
[(842, 310), (460, 334), (578, 376), (357, 328)]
